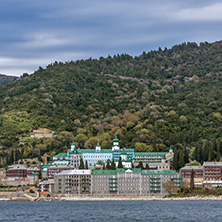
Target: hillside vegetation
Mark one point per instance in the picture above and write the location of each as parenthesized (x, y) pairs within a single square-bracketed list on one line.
[(162, 98), (6, 79)]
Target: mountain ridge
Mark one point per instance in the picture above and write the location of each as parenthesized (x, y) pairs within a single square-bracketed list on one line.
[(162, 98)]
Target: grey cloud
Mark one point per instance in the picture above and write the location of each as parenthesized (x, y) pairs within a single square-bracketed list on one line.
[(38, 33)]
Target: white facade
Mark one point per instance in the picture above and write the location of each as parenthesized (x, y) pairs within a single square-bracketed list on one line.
[(93, 158)]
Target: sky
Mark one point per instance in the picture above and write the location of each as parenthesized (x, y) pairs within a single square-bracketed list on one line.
[(37, 33)]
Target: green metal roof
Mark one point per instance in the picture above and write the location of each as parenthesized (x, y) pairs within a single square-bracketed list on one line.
[(75, 151), (103, 172), (93, 150), (61, 155), (154, 172), (150, 153), (34, 174), (134, 170), (116, 140)]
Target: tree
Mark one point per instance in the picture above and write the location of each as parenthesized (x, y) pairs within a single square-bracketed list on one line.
[(81, 166), (12, 157), (108, 164), (143, 147), (186, 156), (169, 187), (132, 164), (192, 180), (40, 174), (120, 164), (175, 160), (181, 159), (147, 166), (53, 153), (86, 165), (113, 166), (140, 165)]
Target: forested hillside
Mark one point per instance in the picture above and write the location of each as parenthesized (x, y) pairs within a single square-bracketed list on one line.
[(6, 79), (162, 98)]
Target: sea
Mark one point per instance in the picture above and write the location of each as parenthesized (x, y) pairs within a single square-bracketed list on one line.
[(113, 211)]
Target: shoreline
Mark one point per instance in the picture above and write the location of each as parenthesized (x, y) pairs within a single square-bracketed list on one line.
[(153, 198)]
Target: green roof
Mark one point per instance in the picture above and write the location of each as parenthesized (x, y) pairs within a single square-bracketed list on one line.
[(154, 172), (75, 151), (116, 140), (103, 172), (150, 153), (93, 150), (134, 170), (61, 155), (34, 174)]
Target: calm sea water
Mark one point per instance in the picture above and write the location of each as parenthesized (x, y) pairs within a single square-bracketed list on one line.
[(113, 211)]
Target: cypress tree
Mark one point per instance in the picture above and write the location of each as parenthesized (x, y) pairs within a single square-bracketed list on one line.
[(12, 157), (120, 164), (175, 160), (199, 156), (108, 165), (40, 174), (81, 166), (113, 165), (147, 166), (192, 180), (86, 165), (140, 165), (181, 159), (186, 156), (210, 156)]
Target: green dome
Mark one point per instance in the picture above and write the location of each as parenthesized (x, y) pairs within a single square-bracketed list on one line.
[(115, 140)]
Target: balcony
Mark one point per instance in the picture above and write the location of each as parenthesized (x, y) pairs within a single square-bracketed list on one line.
[(154, 186), (111, 186), (112, 182), (155, 181), (155, 178)]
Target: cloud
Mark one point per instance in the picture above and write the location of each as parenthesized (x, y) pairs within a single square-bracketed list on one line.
[(34, 34), (206, 13)]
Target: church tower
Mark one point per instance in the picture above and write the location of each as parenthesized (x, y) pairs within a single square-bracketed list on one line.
[(115, 144), (98, 148)]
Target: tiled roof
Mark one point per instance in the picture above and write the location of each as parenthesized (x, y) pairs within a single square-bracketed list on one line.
[(212, 164), (17, 167), (74, 172), (192, 168)]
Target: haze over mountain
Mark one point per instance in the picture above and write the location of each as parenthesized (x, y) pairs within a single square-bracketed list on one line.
[(170, 97), (6, 79)]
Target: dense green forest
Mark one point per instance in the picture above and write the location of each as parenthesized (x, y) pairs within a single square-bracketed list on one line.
[(160, 99), (6, 79)]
